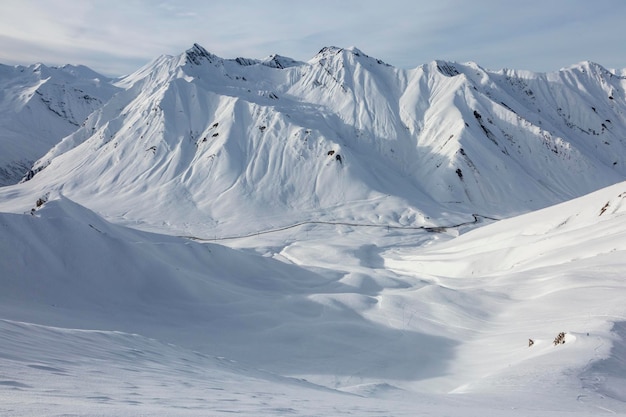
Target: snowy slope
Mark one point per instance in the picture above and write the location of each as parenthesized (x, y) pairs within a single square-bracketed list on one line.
[(196, 246), (39, 106), (210, 134), (387, 321), (555, 270)]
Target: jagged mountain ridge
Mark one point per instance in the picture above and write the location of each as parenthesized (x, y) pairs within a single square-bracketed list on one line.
[(209, 134), (40, 105)]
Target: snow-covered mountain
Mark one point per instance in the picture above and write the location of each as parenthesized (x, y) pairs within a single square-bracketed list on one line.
[(271, 237), (277, 137), (39, 106)]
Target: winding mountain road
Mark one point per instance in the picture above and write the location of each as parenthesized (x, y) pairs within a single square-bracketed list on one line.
[(435, 229)]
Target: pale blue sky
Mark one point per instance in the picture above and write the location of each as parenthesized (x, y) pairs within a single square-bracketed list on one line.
[(116, 37)]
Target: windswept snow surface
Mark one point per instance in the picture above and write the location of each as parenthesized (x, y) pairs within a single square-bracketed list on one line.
[(99, 319), (195, 249)]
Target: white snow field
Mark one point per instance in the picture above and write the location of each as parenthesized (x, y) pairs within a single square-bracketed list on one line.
[(40, 105), (194, 248)]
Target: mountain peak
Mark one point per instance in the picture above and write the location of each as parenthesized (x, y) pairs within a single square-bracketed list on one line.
[(196, 54), (334, 50), (330, 51), (280, 62), (272, 61), (327, 52), (446, 68), (356, 51), (40, 68), (592, 68)]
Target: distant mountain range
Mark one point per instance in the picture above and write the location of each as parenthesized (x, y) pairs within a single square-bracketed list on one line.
[(39, 106), (277, 137)]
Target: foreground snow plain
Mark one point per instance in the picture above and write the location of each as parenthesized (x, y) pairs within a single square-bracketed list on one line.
[(100, 319)]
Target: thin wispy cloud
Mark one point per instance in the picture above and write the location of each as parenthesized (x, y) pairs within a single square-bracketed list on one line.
[(116, 37)]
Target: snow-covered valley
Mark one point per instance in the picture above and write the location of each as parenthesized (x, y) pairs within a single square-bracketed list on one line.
[(331, 237)]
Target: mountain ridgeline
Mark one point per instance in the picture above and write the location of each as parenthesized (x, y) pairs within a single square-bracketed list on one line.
[(277, 136), (39, 106)]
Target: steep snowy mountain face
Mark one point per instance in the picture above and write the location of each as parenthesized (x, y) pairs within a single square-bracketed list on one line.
[(276, 136), (39, 106)]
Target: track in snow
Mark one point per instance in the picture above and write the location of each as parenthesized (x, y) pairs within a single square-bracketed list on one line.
[(434, 229)]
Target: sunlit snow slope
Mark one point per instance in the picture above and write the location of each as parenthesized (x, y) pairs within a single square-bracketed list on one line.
[(273, 237), (555, 270), (278, 138), (39, 106), (106, 319)]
